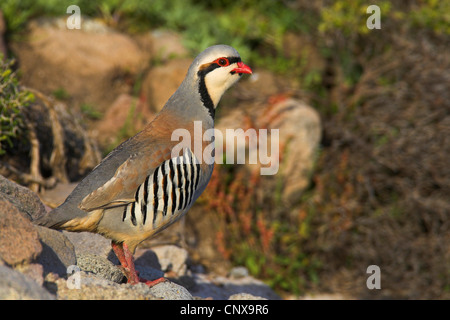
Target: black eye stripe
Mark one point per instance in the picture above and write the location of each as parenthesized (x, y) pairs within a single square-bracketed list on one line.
[(214, 66), (234, 60)]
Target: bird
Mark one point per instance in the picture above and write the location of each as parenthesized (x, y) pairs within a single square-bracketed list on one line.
[(141, 187)]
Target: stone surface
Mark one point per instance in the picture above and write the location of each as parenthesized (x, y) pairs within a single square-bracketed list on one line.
[(16, 286), (19, 241), (127, 114), (99, 266), (245, 296), (25, 200), (58, 252), (170, 291), (93, 287), (162, 45), (221, 288), (299, 133), (172, 258), (90, 243), (93, 65), (162, 81)]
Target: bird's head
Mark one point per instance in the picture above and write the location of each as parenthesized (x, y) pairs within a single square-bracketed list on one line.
[(216, 69)]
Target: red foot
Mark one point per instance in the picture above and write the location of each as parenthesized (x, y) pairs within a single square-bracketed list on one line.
[(153, 282)]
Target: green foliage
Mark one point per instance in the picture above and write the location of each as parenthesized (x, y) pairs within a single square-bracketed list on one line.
[(61, 94), (349, 17), (432, 14), (91, 112), (12, 101)]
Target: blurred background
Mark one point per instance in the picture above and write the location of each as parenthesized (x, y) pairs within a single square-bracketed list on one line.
[(363, 114)]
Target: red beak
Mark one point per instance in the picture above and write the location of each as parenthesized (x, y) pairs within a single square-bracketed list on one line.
[(242, 68)]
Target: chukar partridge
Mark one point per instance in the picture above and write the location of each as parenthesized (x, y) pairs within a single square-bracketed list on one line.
[(140, 188)]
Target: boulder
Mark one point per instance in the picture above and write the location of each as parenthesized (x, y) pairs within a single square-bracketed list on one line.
[(19, 241), (93, 65), (58, 252), (23, 199), (170, 291), (90, 243), (94, 287), (163, 80), (162, 45), (16, 286), (124, 118), (100, 266), (298, 128)]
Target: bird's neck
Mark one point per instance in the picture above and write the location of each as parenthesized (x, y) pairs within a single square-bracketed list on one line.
[(192, 102), (205, 96)]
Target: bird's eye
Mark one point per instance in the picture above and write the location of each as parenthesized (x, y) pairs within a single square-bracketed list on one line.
[(223, 62)]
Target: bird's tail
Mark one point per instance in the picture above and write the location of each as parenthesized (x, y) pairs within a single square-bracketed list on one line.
[(52, 219)]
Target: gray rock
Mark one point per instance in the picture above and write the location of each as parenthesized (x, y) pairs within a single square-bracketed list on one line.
[(238, 272), (93, 287), (170, 291), (16, 286), (25, 200), (218, 287), (58, 252), (99, 266), (92, 243), (172, 258), (149, 273), (245, 296)]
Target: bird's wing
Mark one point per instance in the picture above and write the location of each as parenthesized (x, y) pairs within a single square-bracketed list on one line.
[(121, 188)]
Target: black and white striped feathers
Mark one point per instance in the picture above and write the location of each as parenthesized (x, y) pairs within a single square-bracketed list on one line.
[(165, 194)]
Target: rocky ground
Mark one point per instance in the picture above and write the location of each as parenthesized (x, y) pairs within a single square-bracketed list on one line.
[(41, 263)]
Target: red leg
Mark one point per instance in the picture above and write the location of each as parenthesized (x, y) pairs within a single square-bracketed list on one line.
[(133, 277), (127, 261), (118, 250)]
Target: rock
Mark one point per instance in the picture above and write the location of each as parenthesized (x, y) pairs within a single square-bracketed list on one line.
[(124, 118), (93, 65), (162, 45), (299, 129), (58, 252), (238, 272), (34, 271), (93, 287), (162, 81), (25, 200), (19, 241), (221, 288), (170, 291), (149, 273), (99, 266), (172, 258), (245, 296), (16, 286), (65, 149), (90, 243)]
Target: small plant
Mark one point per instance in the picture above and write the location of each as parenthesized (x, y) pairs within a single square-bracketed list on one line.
[(12, 101), (90, 112)]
